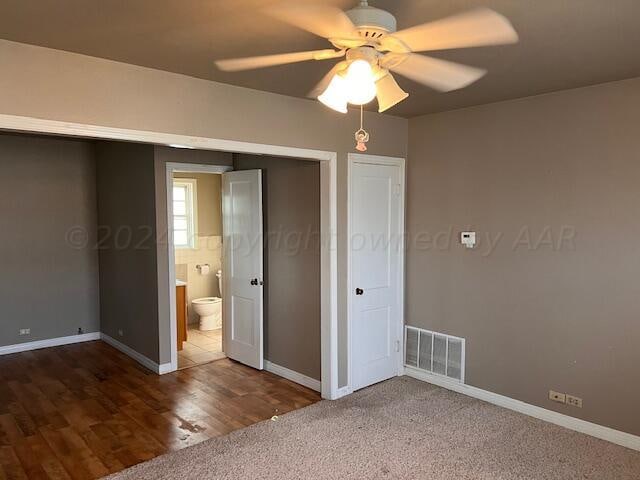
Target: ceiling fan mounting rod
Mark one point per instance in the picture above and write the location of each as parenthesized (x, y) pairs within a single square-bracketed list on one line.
[(371, 21)]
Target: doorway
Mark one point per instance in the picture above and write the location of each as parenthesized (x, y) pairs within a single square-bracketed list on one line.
[(210, 327), (197, 246), (376, 268), (195, 262)]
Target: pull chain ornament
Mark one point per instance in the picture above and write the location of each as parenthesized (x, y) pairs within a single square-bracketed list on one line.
[(362, 136)]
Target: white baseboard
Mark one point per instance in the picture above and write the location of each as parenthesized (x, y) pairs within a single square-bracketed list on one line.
[(604, 433), (138, 357), (295, 377), (51, 342)]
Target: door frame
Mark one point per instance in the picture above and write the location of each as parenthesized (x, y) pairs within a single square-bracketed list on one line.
[(352, 159), (328, 214), (171, 168)]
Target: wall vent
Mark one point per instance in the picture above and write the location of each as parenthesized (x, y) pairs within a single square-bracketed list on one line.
[(434, 352)]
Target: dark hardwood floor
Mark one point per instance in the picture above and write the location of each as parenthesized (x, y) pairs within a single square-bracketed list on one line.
[(86, 410)]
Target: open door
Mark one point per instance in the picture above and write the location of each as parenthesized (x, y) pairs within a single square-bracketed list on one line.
[(243, 266)]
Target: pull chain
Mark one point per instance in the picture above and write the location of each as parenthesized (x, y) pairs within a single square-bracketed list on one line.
[(362, 136)]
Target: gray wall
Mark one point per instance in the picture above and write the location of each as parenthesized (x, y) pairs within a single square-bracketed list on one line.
[(101, 92), (536, 315), (291, 204), (126, 238), (47, 284)]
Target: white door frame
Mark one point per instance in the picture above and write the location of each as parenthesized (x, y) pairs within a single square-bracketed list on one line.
[(328, 209), (352, 159), (171, 168)]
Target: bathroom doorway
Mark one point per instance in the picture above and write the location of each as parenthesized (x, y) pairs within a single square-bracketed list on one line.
[(197, 245), (205, 325)]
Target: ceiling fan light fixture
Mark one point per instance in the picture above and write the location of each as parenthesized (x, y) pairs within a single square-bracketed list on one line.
[(389, 93), (373, 49), (335, 96), (360, 83)]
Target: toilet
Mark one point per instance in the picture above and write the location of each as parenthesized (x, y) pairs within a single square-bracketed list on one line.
[(209, 309)]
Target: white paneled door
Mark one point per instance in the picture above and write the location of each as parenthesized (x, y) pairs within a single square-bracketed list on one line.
[(243, 266), (375, 252)]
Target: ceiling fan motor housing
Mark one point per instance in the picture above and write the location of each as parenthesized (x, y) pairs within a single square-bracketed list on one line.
[(371, 22)]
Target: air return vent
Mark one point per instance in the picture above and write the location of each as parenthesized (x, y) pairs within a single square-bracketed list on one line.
[(435, 353)]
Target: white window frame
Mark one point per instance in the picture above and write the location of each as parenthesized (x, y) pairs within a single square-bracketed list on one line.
[(191, 185)]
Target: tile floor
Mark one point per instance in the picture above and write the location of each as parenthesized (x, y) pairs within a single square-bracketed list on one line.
[(200, 347)]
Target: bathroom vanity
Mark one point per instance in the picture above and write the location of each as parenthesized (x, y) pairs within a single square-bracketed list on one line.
[(181, 312)]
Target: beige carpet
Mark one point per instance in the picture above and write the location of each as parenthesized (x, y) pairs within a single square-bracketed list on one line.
[(400, 429)]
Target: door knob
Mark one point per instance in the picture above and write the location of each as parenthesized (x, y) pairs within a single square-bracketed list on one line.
[(359, 291), (254, 281)]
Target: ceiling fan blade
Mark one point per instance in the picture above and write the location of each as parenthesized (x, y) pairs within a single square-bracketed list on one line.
[(322, 85), (389, 93), (475, 28), (433, 72), (323, 20), (236, 64)]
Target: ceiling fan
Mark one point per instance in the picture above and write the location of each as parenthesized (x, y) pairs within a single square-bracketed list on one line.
[(366, 36)]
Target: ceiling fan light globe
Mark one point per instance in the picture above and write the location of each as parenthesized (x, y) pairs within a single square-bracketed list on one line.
[(360, 83), (335, 96), (389, 93)]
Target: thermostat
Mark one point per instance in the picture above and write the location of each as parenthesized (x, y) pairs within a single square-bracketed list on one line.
[(468, 239)]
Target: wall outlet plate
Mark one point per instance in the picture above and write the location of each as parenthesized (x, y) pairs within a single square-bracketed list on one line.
[(120, 332), (25, 331), (574, 401), (557, 397)]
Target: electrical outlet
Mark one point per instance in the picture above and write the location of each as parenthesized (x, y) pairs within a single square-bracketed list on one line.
[(25, 331), (574, 401), (120, 332), (557, 397)]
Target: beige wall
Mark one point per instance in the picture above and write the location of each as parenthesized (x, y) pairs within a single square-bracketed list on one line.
[(537, 313), (209, 198), (52, 84)]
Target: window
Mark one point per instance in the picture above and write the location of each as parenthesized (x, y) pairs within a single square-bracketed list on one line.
[(184, 221)]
